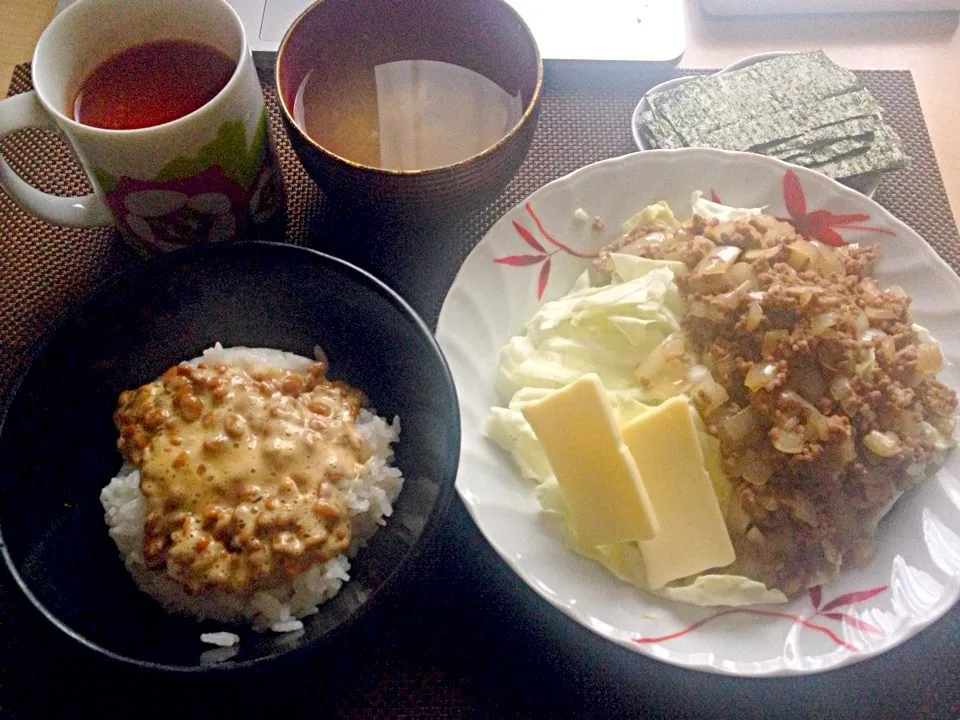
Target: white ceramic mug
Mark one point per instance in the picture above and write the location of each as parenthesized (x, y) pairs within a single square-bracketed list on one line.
[(206, 176)]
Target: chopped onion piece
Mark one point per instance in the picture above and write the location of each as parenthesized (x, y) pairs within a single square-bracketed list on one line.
[(883, 444), (830, 262), (869, 287), (771, 339), (718, 260), (941, 440), (888, 349), (819, 323), (760, 376), (672, 379), (730, 300), (665, 241), (763, 253), (756, 467), (802, 254), (754, 316), (803, 293), (698, 308), (786, 441), (664, 370), (709, 395), (648, 369), (816, 421), (742, 273), (865, 368), (881, 313), (804, 511), (840, 387), (672, 346), (792, 397), (741, 428), (862, 323), (698, 374), (929, 359), (885, 343)]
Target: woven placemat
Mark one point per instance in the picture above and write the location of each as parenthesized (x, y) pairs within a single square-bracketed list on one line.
[(477, 643), (43, 267)]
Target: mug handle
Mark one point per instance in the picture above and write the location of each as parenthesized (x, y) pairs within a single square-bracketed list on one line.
[(25, 111)]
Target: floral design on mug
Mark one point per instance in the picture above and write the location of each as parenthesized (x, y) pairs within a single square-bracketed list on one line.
[(166, 216), (210, 197)]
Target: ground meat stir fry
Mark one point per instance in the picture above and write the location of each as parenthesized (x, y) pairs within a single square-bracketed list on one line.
[(820, 388), (240, 469)]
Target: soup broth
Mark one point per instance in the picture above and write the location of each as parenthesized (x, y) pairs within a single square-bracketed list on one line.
[(405, 115)]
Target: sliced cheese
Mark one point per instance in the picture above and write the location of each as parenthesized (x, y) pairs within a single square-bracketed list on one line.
[(605, 496), (693, 536)]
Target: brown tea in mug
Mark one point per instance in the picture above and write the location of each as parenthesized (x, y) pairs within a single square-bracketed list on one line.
[(151, 84), (405, 115)]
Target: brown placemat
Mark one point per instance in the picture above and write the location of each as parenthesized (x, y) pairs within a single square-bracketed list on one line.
[(585, 117)]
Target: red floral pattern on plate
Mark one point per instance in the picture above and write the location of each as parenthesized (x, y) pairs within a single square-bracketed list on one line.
[(542, 256), (820, 225), (816, 596)]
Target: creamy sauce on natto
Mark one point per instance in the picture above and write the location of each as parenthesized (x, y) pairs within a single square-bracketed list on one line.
[(240, 468)]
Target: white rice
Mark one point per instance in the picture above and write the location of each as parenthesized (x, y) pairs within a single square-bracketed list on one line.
[(287, 626), (369, 496), (221, 639)]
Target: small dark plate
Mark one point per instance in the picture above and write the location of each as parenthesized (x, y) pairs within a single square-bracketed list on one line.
[(58, 443)]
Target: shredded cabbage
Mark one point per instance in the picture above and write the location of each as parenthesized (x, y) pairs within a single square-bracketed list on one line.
[(594, 329), (708, 590), (659, 213), (709, 209)]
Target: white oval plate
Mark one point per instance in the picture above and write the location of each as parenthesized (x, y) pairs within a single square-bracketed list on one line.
[(868, 188), (915, 577)]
